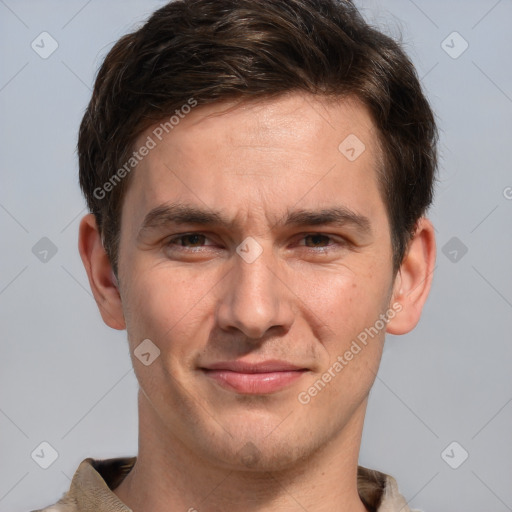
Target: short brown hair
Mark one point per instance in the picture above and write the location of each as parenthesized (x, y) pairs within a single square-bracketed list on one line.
[(215, 50)]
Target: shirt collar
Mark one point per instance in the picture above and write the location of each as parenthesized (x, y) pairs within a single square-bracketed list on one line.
[(93, 481)]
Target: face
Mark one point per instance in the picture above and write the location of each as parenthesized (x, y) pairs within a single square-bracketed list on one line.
[(255, 250)]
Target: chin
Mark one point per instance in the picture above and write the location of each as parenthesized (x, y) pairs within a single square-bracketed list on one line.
[(259, 451)]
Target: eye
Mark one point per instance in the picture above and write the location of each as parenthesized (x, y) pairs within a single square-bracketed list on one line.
[(317, 240), (188, 240), (322, 242)]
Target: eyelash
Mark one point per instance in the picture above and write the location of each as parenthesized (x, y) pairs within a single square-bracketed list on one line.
[(323, 249)]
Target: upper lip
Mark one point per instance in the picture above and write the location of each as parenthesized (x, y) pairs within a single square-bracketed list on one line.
[(259, 367)]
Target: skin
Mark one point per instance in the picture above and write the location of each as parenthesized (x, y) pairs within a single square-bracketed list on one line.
[(303, 300)]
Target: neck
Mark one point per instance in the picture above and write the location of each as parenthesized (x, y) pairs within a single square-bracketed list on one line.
[(169, 476)]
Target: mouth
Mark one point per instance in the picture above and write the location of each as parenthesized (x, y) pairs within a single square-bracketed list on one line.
[(254, 378)]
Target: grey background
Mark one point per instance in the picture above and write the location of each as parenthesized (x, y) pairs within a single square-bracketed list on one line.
[(66, 378)]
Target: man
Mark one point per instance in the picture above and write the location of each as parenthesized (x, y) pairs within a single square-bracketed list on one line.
[(257, 173)]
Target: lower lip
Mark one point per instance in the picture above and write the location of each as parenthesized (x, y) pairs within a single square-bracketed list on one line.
[(254, 383)]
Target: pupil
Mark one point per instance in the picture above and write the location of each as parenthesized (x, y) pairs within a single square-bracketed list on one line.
[(317, 239), (193, 239)]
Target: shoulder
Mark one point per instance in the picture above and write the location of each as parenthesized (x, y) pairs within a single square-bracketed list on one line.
[(91, 486), (379, 491)]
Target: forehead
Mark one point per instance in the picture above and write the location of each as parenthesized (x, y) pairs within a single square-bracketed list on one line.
[(260, 158)]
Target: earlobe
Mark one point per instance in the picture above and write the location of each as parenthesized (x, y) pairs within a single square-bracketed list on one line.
[(414, 278), (102, 280)]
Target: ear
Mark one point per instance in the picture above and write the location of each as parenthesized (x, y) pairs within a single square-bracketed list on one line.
[(413, 279), (99, 271)]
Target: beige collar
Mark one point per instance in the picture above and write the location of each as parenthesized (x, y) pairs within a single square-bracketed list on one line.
[(93, 481)]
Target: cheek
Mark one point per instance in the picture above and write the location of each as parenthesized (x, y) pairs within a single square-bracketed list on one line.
[(350, 303), (354, 346), (171, 313), (164, 306), (346, 299)]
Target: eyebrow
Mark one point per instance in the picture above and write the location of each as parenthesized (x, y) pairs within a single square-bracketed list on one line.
[(175, 213), (336, 216)]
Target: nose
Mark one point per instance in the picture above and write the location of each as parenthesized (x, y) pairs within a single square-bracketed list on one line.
[(255, 297)]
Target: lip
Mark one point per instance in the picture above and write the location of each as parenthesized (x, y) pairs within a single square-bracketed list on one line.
[(254, 378)]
